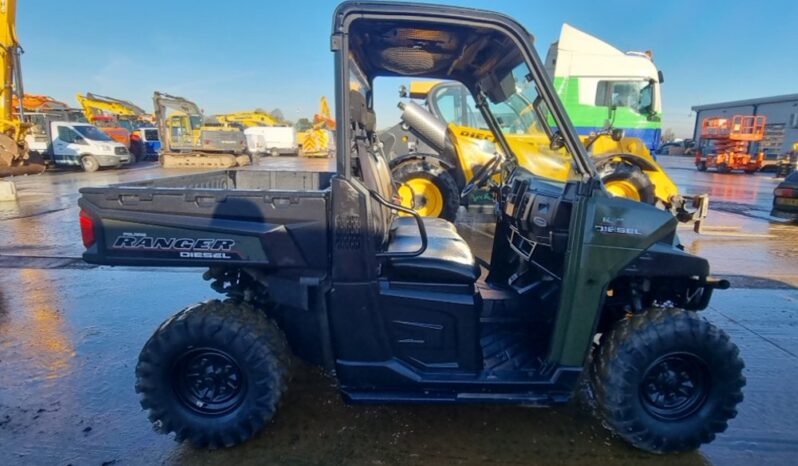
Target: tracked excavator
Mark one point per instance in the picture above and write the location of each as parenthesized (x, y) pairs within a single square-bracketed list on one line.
[(14, 156), (120, 119), (188, 142)]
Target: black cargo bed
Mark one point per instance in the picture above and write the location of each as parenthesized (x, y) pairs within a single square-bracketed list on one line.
[(274, 219)]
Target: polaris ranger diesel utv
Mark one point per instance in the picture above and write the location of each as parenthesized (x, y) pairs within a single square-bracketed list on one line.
[(397, 307)]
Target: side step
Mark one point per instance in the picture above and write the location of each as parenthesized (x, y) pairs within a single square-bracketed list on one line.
[(524, 399)]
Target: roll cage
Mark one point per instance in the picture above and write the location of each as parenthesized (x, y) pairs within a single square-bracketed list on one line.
[(477, 48)]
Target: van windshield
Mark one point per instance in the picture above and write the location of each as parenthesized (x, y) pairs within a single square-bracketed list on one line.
[(93, 133)]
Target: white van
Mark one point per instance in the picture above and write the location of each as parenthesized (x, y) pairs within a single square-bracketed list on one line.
[(81, 145), (271, 140)]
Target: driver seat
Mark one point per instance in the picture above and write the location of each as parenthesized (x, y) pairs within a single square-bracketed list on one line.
[(447, 259)]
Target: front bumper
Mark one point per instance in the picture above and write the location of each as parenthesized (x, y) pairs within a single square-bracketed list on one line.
[(110, 160), (788, 212)]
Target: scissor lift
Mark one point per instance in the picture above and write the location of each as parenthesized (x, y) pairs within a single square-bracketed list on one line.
[(730, 139)]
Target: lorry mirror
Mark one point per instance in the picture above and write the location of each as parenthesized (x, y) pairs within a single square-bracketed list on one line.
[(660, 76)]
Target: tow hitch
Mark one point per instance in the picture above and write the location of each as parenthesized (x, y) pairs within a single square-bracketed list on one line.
[(691, 209)]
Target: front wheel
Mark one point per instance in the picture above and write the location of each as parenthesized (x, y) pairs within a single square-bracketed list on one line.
[(89, 163), (701, 166), (629, 181), (428, 188), (667, 380), (213, 374)]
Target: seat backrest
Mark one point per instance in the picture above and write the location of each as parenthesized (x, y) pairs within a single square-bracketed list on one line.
[(373, 167)]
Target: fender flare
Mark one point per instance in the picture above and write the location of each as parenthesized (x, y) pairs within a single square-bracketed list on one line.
[(636, 160), (419, 156), (447, 165)]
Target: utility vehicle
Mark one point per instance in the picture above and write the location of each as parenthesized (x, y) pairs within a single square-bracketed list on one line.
[(399, 308)]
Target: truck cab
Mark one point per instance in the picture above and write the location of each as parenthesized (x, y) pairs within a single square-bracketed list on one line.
[(598, 82)]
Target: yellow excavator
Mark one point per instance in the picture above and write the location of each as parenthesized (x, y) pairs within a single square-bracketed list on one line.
[(317, 141), (434, 173), (113, 116), (188, 142), (14, 156)]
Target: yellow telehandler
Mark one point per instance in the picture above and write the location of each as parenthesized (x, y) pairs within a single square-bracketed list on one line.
[(433, 173)]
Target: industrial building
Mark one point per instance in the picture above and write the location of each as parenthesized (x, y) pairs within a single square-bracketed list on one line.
[(781, 111)]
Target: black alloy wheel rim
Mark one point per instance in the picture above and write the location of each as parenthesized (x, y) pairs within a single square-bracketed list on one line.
[(675, 386), (209, 381)]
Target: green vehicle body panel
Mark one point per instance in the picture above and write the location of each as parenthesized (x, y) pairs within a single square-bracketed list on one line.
[(606, 234)]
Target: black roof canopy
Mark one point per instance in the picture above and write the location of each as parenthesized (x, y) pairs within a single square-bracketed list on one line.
[(440, 42)]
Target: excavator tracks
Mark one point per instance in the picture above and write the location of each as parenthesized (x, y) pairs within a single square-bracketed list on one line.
[(203, 160)]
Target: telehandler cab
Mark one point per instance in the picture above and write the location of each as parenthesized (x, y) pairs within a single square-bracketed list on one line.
[(399, 308)]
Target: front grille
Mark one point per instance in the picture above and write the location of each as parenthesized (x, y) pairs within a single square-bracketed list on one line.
[(120, 151)]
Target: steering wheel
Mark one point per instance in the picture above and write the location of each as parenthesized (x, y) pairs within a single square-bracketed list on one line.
[(482, 175)]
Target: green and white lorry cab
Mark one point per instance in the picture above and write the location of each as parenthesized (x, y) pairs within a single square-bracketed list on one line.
[(399, 308), (598, 83), (67, 143)]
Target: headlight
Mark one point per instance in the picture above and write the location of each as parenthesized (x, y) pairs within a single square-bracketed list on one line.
[(106, 148)]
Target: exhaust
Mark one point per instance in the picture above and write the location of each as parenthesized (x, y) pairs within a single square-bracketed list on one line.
[(424, 125)]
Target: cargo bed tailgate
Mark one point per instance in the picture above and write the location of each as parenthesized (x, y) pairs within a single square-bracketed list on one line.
[(210, 219)]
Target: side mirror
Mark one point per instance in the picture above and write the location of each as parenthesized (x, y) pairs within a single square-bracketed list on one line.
[(81, 141), (557, 141)]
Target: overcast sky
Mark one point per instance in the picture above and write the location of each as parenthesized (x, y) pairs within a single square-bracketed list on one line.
[(238, 55)]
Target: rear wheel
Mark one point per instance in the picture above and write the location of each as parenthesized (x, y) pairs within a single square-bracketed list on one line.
[(89, 163), (723, 168), (431, 188), (667, 380), (629, 181), (213, 374)]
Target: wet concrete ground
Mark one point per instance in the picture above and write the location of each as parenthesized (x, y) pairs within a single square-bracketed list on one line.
[(70, 335)]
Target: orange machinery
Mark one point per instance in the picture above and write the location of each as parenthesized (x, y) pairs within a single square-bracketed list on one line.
[(725, 143)]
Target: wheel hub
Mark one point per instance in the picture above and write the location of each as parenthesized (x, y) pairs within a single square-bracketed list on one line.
[(427, 197), (674, 386), (209, 381)]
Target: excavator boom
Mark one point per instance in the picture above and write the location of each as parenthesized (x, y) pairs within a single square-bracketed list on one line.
[(13, 128)]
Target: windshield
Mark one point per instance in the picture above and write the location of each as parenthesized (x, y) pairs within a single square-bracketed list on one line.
[(92, 132), (196, 121), (522, 116), (150, 134), (635, 95)]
